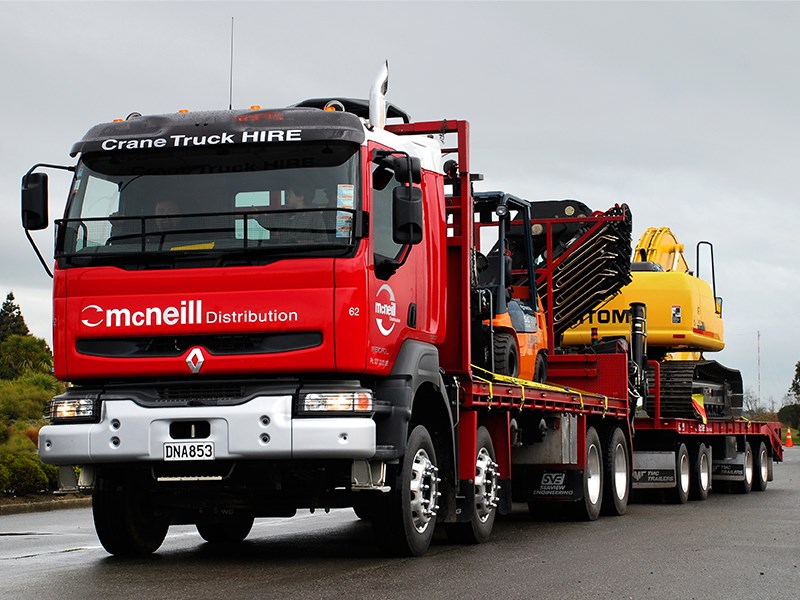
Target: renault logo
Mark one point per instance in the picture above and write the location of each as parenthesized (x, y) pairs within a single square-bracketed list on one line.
[(195, 360)]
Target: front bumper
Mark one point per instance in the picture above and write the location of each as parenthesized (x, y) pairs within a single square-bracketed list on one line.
[(128, 432)]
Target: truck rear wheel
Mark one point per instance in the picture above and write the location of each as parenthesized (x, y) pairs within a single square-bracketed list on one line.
[(701, 474), (229, 530), (125, 524), (588, 508), (744, 486), (617, 474), (478, 529), (761, 468), (405, 524), (506, 355), (680, 493)]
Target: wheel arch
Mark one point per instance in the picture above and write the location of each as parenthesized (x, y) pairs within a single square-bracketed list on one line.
[(425, 402)]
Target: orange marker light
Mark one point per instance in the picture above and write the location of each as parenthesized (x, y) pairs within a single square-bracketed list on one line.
[(333, 106), (255, 107), (183, 111)]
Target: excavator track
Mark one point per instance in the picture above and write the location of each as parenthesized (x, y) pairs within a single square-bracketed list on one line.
[(719, 387)]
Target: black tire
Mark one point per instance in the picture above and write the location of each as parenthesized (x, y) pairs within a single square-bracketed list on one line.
[(701, 474), (404, 525), (746, 485), (588, 508), (486, 486), (540, 372), (506, 355), (761, 468), (230, 530), (125, 524), (616, 474), (680, 493), (364, 511)]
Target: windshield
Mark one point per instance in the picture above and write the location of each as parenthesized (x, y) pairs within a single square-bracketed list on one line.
[(211, 205)]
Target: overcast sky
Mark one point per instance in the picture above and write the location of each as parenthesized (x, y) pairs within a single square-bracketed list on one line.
[(687, 112)]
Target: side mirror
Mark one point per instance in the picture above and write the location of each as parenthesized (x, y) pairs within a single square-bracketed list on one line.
[(34, 201), (407, 215), (407, 168), (404, 166)]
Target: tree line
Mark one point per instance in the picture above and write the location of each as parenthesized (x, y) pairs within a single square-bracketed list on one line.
[(26, 387), (789, 415)]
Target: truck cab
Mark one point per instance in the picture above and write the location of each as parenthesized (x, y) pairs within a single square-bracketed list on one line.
[(247, 305)]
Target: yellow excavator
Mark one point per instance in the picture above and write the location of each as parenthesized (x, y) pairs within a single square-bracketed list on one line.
[(684, 320)]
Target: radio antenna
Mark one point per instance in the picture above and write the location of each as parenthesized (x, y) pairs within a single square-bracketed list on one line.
[(230, 91)]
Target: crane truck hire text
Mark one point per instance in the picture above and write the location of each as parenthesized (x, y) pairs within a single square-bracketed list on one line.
[(183, 141), (190, 312)]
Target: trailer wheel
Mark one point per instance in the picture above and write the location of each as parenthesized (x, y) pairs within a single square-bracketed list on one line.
[(506, 355), (227, 531), (680, 493), (744, 487), (588, 508), (617, 474), (701, 474), (405, 525), (125, 524), (761, 468), (486, 485)]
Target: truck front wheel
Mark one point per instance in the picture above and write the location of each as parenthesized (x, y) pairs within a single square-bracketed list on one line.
[(405, 525), (125, 523)]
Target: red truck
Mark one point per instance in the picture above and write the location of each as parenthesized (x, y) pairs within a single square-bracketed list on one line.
[(310, 307)]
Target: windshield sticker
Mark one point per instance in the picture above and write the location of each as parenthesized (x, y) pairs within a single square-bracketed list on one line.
[(344, 195), (345, 198)]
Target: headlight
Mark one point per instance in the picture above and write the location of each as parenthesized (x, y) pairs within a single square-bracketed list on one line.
[(337, 402), (74, 409)]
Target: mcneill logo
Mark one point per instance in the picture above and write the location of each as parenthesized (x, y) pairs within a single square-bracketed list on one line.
[(188, 312), (385, 310)]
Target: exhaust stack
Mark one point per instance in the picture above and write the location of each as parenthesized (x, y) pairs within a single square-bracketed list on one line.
[(377, 98)]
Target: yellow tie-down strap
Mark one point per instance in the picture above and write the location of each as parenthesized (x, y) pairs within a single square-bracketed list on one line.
[(523, 383)]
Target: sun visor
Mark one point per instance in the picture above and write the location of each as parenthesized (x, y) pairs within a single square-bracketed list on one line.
[(221, 128)]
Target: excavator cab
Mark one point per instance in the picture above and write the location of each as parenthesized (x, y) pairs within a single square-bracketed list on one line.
[(508, 329)]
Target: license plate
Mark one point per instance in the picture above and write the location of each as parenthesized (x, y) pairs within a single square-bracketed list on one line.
[(188, 450)]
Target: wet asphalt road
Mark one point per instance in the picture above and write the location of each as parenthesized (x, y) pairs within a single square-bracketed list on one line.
[(730, 546)]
